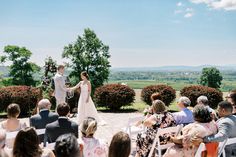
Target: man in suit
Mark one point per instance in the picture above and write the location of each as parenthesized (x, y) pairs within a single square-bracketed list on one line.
[(60, 85), (62, 126), (226, 127), (44, 117)]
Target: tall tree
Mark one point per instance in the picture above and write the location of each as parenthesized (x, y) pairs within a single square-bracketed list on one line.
[(88, 53), (211, 77), (50, 68), (21, 70)]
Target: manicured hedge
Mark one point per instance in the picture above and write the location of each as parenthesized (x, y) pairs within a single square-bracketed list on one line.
[(114, 96), (167, 93), (193, 92), (27, 97)]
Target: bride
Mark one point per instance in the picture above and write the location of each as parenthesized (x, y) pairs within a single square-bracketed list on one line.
[(86, 107)]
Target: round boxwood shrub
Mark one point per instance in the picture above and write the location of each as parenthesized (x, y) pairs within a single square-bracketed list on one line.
[(167, 93), (193, 92), (27, 97), (114, 96)]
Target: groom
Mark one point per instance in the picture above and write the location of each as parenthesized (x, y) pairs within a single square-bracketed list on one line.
[(60, 85)]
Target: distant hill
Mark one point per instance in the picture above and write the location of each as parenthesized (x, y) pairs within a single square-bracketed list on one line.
[(4, 70), (176, 68)]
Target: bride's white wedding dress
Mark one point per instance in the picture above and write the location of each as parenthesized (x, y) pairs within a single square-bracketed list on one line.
[(87, 109)]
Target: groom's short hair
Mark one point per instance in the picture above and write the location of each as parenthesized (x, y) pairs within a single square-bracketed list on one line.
[(63, 109), (60, 67)]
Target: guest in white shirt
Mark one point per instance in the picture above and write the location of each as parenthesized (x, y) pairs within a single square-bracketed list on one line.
[(12, 123), (185, 116)]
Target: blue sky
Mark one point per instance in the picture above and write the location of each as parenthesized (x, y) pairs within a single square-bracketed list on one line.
[(140, 33)]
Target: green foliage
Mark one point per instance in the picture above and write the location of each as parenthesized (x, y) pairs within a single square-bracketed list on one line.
[(27, 97), (88, 53), (211, 77), (114, 96), (21, 70), (167, 93), (193, 92), (50, 67)]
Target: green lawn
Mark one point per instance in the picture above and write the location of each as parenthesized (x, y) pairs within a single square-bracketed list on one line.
[(177, 85)]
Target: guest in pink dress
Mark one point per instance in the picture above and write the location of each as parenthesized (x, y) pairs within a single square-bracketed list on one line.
[(92, 147), (203, 126)]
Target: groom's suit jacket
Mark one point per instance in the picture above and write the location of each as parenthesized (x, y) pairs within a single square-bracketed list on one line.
[(60, 88)]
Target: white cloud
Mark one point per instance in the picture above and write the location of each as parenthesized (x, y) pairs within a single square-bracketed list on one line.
[(224, 4), (178, 11), (179, 4), (188, 15), (218, 4), (189, 10), (201, 1)]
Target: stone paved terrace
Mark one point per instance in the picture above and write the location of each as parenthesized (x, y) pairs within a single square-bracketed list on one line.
[(115, 122)]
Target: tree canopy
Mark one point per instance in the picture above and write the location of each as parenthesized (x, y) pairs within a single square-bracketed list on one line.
[(88, 53), (211, 77), (21, 70)]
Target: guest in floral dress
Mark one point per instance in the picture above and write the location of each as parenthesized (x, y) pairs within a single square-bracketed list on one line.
[(92, 147), (159, 119), (203, 126)]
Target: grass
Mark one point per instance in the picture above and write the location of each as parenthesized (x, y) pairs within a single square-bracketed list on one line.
[(177, 85)]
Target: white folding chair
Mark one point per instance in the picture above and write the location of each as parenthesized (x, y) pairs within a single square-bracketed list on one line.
[(160, 132), (229, 141), (40, 131), (200, 149), (222, 147), (131, 129)]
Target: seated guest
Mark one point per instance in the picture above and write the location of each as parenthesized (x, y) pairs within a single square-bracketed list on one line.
[(27, 145), (12, 123), (185, 116), (4, 150), (92, 146), (226, 125), (120, 145), (67, 146), (203, 100), (156, 96), (62, 126), (203, 126), (160, 119), (148, 111), (39, 121), (231, 98)]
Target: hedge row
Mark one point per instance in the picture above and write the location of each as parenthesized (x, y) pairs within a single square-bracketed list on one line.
[(193, 92), (113, 96), (27, 97), (167, 93)]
